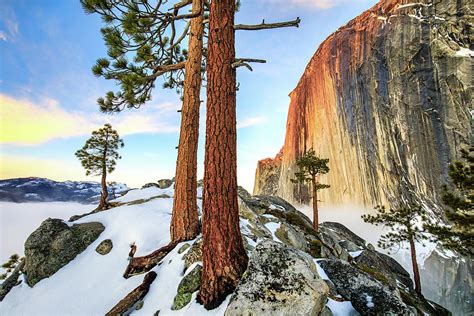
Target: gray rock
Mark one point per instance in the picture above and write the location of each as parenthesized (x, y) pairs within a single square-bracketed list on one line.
[(165, 183), (383, 268), (279, 280), (104, 247), (54, 244), (150, 185), (183, 248), (291, 237), (368, 295), (193, 255), (188, 285)]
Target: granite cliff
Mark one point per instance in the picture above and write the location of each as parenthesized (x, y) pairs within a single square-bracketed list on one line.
[(387, 98)]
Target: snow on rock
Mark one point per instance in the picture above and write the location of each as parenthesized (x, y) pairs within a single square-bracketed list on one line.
[(355, 254), (144, 194), (465, 52), (341, 308)]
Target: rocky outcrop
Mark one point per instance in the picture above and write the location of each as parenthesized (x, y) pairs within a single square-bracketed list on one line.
[(188, 285), (368, 295), (387, 99), (54, 244), (279, 280), (266, 218)]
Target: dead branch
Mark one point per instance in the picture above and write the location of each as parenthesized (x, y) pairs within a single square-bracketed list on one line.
[(162, 69), (244, 62), (134, 296), (264, 26), (144, 264)]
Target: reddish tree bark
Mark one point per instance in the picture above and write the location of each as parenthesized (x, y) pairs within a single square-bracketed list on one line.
[(224, 256), (185, 220), (315, 206), (104, 194), (416, 272), (135, 296)]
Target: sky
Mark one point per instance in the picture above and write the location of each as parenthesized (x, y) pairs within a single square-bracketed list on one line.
[(48, 93)]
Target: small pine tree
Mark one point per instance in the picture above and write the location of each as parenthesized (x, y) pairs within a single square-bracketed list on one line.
[(310, 167), (99, 156), (406, 225), (459, 235)]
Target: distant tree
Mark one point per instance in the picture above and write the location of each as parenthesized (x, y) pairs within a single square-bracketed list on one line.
[(310, 168), (99, 157), (459, 234), (406, 225)]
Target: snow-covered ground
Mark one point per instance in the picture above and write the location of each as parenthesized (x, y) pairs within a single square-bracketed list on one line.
[(18, 220), (92, 284)]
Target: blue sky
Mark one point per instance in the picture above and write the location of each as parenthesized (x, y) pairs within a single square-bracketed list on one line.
[(48, 93)]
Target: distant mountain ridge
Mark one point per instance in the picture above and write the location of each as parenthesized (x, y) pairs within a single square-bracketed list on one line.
[(34, 189)]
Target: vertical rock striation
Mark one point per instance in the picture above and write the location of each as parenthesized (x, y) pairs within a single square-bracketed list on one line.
[(387, 98)]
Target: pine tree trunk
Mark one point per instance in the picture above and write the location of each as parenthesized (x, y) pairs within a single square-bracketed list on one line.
[(315, 207), (224, 256), (416, 272), (185, 220), (104, 194)]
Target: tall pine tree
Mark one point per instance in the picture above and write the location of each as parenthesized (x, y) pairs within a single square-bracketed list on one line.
[(406, 225), (99, 157), (153, 33), (224, 256), (458, 235), (310, 168)]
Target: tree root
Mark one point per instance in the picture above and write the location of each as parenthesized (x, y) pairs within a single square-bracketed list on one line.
[(135, 296), (144, 264)]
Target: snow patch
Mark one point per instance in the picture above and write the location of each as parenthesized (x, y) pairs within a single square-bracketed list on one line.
[(321, 272), (341, 308), (465, 52), (355, 254)]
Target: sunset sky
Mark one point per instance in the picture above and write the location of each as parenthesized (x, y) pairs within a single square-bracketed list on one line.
[(48, 93)]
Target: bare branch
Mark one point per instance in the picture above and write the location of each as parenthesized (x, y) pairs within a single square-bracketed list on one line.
[(244, 62), (162, 69), (264, 25)]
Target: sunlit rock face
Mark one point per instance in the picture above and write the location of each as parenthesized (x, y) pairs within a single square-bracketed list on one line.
[(387, 99)]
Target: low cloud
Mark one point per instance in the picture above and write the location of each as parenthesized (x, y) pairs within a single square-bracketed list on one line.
[(250, 121), (24, 122)]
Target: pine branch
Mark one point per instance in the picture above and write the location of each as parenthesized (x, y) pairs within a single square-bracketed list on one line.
[(265, 26), (162, 69), (244, 62)]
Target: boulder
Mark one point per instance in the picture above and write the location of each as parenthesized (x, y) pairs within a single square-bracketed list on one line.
[(291, 237), (383, 268), (54, 244), (279, 280), (368, 295), (165, 183), (194, 254), (183, 248), (188, 285), (104, 247), (150, 185)]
